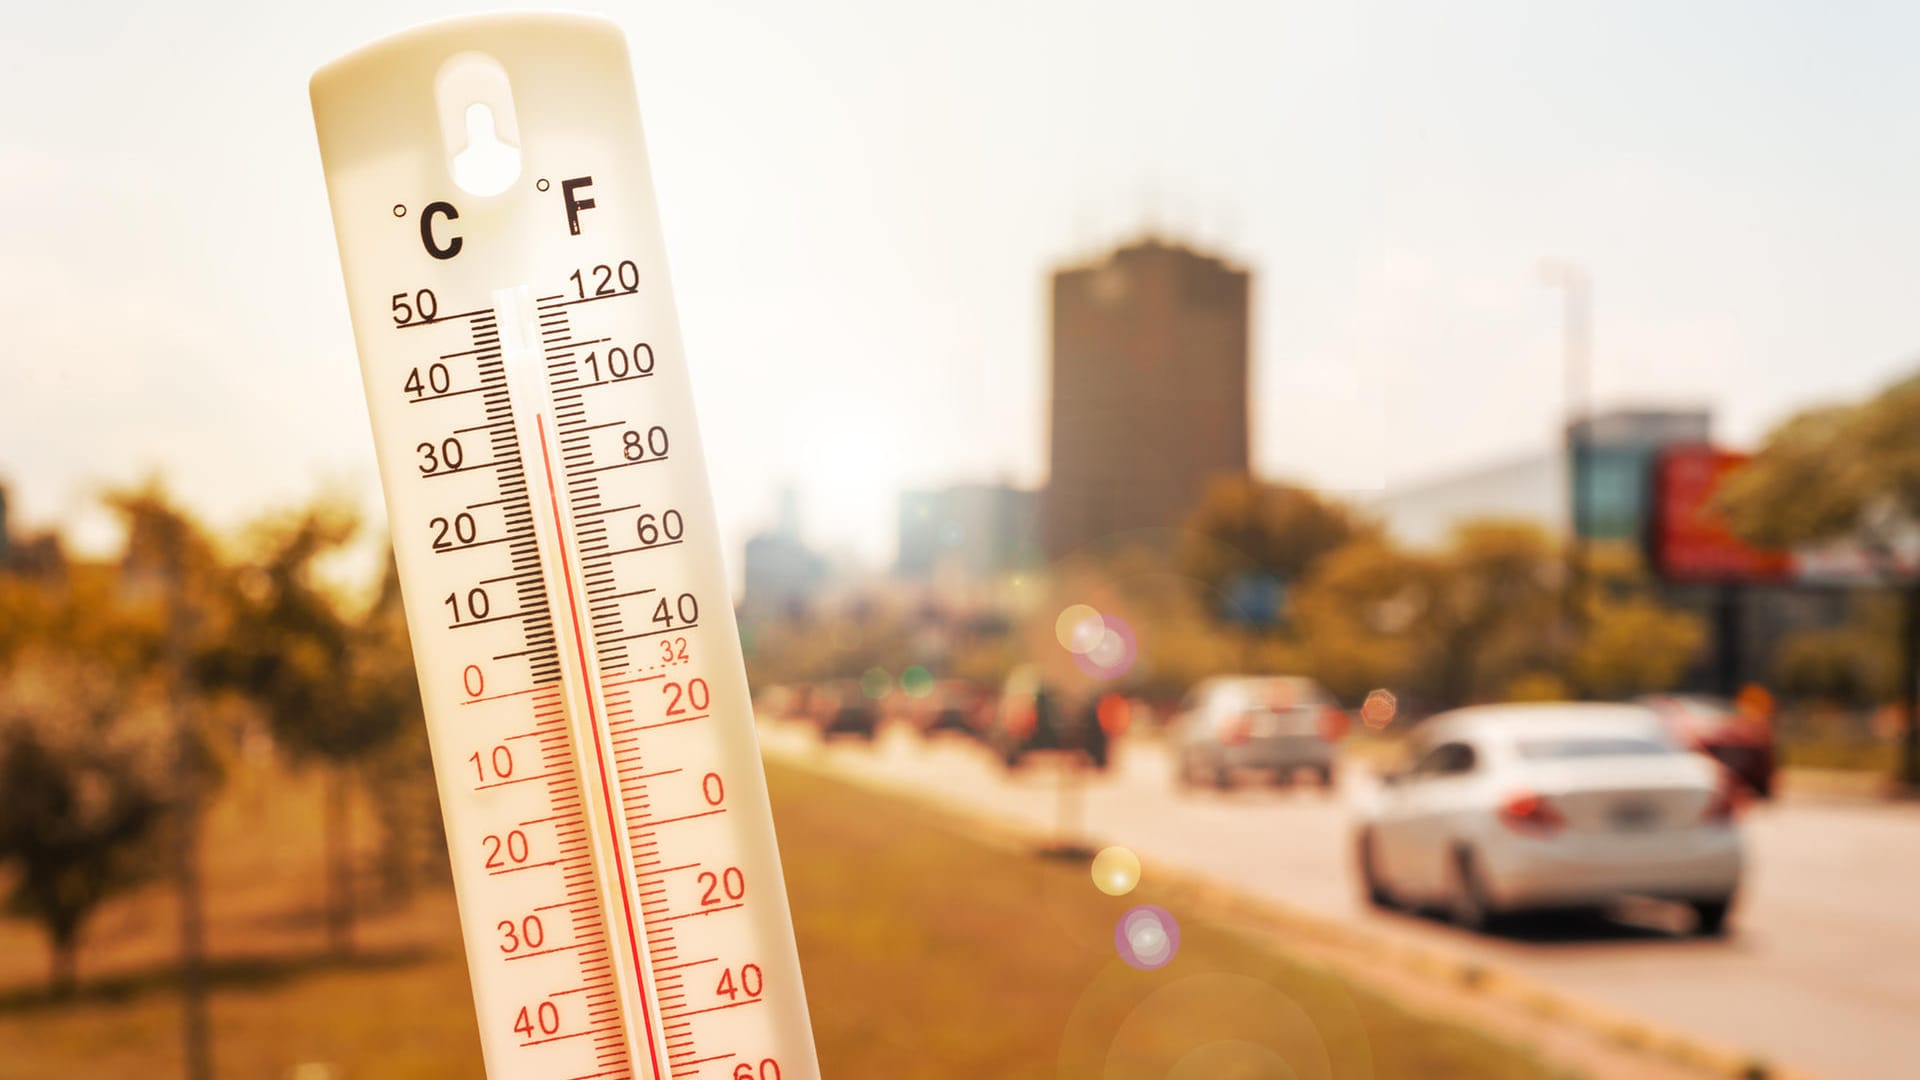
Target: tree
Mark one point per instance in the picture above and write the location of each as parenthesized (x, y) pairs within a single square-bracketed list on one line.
[(1496, 588), (1467, 623), (180, 595), (135, 638), (1629, 642), (84, 791), (1361, 618), (1244, 528), (382, 693), (313, 673), (1846, 473)]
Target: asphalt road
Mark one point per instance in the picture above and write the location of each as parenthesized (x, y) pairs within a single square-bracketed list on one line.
[(1821, 971)]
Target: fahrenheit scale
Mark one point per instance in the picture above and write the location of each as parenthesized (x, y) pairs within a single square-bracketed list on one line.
[(614, 860)]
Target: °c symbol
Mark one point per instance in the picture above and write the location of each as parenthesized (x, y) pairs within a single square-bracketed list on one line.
[(541, 184), (399, 210)]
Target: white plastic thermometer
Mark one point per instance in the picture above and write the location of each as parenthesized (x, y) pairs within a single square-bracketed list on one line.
[(613, 854)]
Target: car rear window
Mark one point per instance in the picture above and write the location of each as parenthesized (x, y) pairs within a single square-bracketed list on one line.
[(1593, 746)]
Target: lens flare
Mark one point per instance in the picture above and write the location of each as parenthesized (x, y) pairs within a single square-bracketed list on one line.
[(1078, 629), (1147, 937), (916, 681), (1379, 709), (1113, 654), (876, 683), (1116, 870)]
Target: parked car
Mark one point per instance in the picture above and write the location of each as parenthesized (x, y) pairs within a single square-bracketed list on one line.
[(1276, 725), (1509, 808), (1033, 717), (841, 708), (1739, 738), (952, 705)]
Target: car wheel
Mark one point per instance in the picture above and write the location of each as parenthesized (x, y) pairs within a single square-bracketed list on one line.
[(1222, 777), (1325, 774), (1467, 904), (1183, 772), (1375, 889), (1710, 917)]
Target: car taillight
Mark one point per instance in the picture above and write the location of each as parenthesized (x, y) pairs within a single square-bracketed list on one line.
[(1333, 723), (1113, 714), (1728, 793), (1527, 812), (1236, 728)]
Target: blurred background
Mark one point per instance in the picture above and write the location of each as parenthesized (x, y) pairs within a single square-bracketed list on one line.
[(1137, 434)]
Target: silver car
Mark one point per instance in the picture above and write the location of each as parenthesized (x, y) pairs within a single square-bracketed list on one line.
[(1272, 725)]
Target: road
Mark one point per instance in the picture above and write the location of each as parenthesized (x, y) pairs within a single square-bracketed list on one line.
[(1821, 971)]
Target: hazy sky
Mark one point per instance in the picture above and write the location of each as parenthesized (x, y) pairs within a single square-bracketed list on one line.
[(862, 201)]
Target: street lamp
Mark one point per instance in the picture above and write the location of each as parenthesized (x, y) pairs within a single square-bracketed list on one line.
[(1576, 343)]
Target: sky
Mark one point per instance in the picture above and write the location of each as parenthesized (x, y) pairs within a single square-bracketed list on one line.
[(862, 202)]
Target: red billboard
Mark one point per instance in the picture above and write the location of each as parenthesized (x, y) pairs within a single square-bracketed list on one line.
[(1688, 541)]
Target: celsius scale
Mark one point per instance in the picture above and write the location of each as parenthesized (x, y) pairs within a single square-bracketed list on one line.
[(619, 887)]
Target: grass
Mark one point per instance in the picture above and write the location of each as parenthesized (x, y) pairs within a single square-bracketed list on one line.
[(928, 953)]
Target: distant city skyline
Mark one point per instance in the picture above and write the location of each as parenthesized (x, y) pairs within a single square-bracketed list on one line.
[(862, 225)]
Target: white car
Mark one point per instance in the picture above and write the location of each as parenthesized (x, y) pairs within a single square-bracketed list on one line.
[(1515, 807)]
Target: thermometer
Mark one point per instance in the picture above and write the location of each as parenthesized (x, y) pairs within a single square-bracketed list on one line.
[(619, 887)]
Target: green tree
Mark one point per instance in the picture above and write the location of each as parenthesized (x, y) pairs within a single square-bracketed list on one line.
[(1496, 590), (383, 693), (1470, 622), (1629, 642), (1845, 666), (1363, 618), (1244, 527), (319, 679), (128, 649), (84, 791), (1846, 473)]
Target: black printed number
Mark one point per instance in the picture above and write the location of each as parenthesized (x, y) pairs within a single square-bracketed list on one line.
[(603, 279), (420, 307), (684, 610), (432, 381), (618, 363), (456, 531), (634, 448), (444, 458)]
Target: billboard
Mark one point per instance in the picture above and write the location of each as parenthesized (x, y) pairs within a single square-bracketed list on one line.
[(1687, 541)]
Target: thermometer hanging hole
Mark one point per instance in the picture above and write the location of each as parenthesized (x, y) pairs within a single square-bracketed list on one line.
[(487, 166), (478, 125)]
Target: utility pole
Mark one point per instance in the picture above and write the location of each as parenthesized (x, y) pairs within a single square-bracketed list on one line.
[(1576, 346)]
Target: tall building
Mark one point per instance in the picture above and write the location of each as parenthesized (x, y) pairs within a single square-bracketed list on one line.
[(783, 575), (1150, 352), (973, 531)]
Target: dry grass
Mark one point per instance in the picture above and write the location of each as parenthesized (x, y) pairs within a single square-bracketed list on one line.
[(928, 953)]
